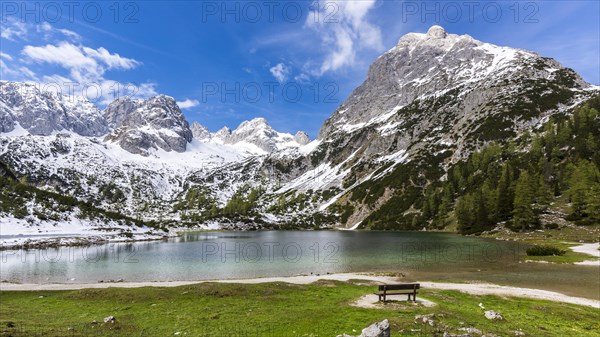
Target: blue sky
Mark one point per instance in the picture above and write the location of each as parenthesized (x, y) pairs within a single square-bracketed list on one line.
[(290, 62)]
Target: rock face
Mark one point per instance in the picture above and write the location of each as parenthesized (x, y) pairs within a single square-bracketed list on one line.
[(42, 113), (200, 132), (301, 138), (117, 112), (151, 124), (380, 329), (223, 135)]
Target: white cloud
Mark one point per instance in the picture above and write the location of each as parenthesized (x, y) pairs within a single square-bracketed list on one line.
[(86, 67), (6, 56), (280, 72), (188, 104), (5, 71), (85, 64), (345, 26), (113, 61), (21, 73), (49, 31), (14, 71), (27, 73), (302, 78), (65, 54), (86, 71), (12, 28)]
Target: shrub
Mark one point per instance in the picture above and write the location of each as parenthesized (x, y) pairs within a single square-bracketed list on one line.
[(543, 250)]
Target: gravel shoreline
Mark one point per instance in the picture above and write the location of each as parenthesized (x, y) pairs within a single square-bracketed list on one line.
[(590, 249)]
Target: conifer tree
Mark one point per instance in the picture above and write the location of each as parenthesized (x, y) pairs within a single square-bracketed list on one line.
[(523, 215), (464, 214), (592, 207), (543, 194), (505, 195), (584, 176), (482, 219)]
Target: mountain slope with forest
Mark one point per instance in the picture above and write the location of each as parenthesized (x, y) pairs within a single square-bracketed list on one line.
[(446, 132)]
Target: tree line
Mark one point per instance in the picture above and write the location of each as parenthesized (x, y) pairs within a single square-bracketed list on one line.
[(518, 181)]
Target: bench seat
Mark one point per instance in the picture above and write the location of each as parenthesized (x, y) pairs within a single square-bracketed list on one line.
[(409, 289)]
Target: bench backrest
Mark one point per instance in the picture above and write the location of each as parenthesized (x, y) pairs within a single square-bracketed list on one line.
[(405, 286)]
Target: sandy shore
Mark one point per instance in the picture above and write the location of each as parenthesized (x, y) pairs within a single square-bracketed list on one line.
[(469, 288), (590, 249)]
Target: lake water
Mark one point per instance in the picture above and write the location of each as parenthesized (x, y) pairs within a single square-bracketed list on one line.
[(229, 255)]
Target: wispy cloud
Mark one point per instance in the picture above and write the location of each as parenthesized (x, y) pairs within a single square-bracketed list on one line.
[(50, 32), (6, 56), (83, 63), (348, 31), (11, 29), (280, 72)]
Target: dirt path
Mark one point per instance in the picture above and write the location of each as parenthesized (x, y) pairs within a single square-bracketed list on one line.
[(469, 288)]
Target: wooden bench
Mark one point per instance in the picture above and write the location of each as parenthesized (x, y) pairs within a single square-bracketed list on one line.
[(409, 289)]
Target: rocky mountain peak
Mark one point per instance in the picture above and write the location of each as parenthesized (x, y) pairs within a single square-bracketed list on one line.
[(302, 138), (258, 132), (425, 66), (435, 38), (42, 113), (200, 132), (253, 128), (151, 124), (255, 122), (437, 32), (222, 136)]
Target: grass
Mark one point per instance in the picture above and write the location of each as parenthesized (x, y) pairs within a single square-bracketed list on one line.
[(274, 309), (569, 257)]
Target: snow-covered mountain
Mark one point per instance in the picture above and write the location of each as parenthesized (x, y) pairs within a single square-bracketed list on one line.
[(257, 132), (429, 102), (41, 113), (139, 126), (447, 88), (426, 104), (134, 157)]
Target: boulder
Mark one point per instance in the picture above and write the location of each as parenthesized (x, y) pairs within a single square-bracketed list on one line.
[(471, 331), (491, 314), (380, 329), (426, 319)]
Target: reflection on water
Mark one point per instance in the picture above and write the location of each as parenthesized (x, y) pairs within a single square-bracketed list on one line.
[(221, 255)]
